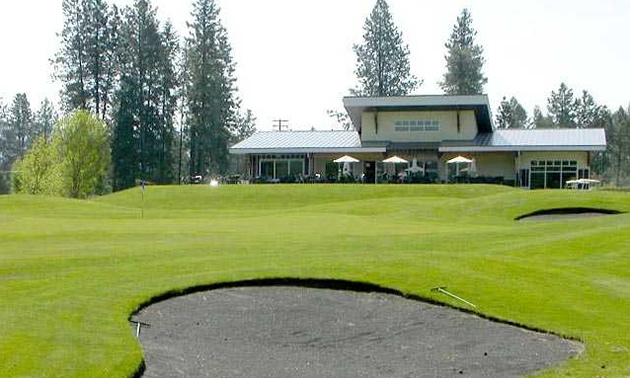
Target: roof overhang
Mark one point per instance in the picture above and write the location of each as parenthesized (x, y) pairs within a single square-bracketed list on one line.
[(306, 150), (355, 106)]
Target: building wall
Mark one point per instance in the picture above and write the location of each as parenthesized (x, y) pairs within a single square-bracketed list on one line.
[(488, 164), (320, 161), (448, 128)]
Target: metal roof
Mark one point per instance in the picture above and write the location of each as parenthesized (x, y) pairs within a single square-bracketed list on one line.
[(533, 140), (355, 106), (303, 142), (293, 142)]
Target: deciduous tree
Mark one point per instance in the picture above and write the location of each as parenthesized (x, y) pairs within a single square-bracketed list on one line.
[(39, 172), (84, 154)]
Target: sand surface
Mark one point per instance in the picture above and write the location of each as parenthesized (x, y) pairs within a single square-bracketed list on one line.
[(304, 332)]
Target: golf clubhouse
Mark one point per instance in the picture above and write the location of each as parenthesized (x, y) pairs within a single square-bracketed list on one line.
[(434, 138)]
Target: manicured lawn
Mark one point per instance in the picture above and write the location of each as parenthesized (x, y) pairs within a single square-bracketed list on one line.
[(71, 272)]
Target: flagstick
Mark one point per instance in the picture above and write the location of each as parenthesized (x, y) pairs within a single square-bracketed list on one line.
[(142, 204)]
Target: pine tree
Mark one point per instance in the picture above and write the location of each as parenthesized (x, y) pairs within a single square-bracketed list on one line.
[(45, 119), (210, 90), (100, 58), (4, 136), (5, 163), (71, 61), (20, 127), (145, 101), (85, 62), (244, 126), (464, 60), (168, 83), (588, 114), (540, 121), (383, 67), (562, 107), (619, 145), (511, 115)]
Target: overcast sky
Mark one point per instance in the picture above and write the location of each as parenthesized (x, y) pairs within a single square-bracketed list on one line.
[(295, 60)]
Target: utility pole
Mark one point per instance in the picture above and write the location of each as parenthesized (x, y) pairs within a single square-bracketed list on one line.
[(280, 124)]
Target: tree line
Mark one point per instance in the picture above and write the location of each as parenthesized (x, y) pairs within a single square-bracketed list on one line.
[(383, 69), (171, 107), (170, 104)]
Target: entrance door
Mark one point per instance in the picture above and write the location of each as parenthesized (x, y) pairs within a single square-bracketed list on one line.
[(369, 172)]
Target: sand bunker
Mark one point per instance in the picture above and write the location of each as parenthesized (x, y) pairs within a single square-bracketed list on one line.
[(305, 332), (566, 213)]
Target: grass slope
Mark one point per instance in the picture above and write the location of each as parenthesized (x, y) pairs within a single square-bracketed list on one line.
[(71, 272)]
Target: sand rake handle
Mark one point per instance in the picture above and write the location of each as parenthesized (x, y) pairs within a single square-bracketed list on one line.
[(443, 290)]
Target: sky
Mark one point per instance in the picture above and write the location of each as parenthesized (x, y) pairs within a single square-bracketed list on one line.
[(295, 60)]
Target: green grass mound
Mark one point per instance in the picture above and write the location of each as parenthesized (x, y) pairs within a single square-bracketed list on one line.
[(71, 272)]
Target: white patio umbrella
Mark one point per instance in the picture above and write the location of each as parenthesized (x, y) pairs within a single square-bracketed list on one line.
[(457, 160), (346, 159), (395, 160)]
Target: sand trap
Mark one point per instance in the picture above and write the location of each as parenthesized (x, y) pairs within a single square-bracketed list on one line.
[(304, 332), (566, 213)]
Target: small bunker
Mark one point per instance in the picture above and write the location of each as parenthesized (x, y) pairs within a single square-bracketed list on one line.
[(290, 331), (567, 213)]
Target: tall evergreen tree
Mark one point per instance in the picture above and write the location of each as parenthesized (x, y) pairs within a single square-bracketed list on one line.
[(145, 102), (619, 145), (20, 133), (5, 164), (244, 126), (85, 62), (511, 115), (4, 136), (562, 107), (383, 67), (45, 119), (168, 85), (210, 90), (71, 61), (588, 114), (540, 121), (464, 60), (101, 44)]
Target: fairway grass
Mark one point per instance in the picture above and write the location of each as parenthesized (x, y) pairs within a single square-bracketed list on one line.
[(72, 272)]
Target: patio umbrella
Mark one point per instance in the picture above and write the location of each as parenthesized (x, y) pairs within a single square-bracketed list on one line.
[(395, 160), (457, 160), (346, 159)]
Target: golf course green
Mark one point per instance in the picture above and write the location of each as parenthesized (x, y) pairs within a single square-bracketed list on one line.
[(72, 272)]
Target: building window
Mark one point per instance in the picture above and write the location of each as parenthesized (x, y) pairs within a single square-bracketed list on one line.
[(281, 167), (551, 174), (417, 125)]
